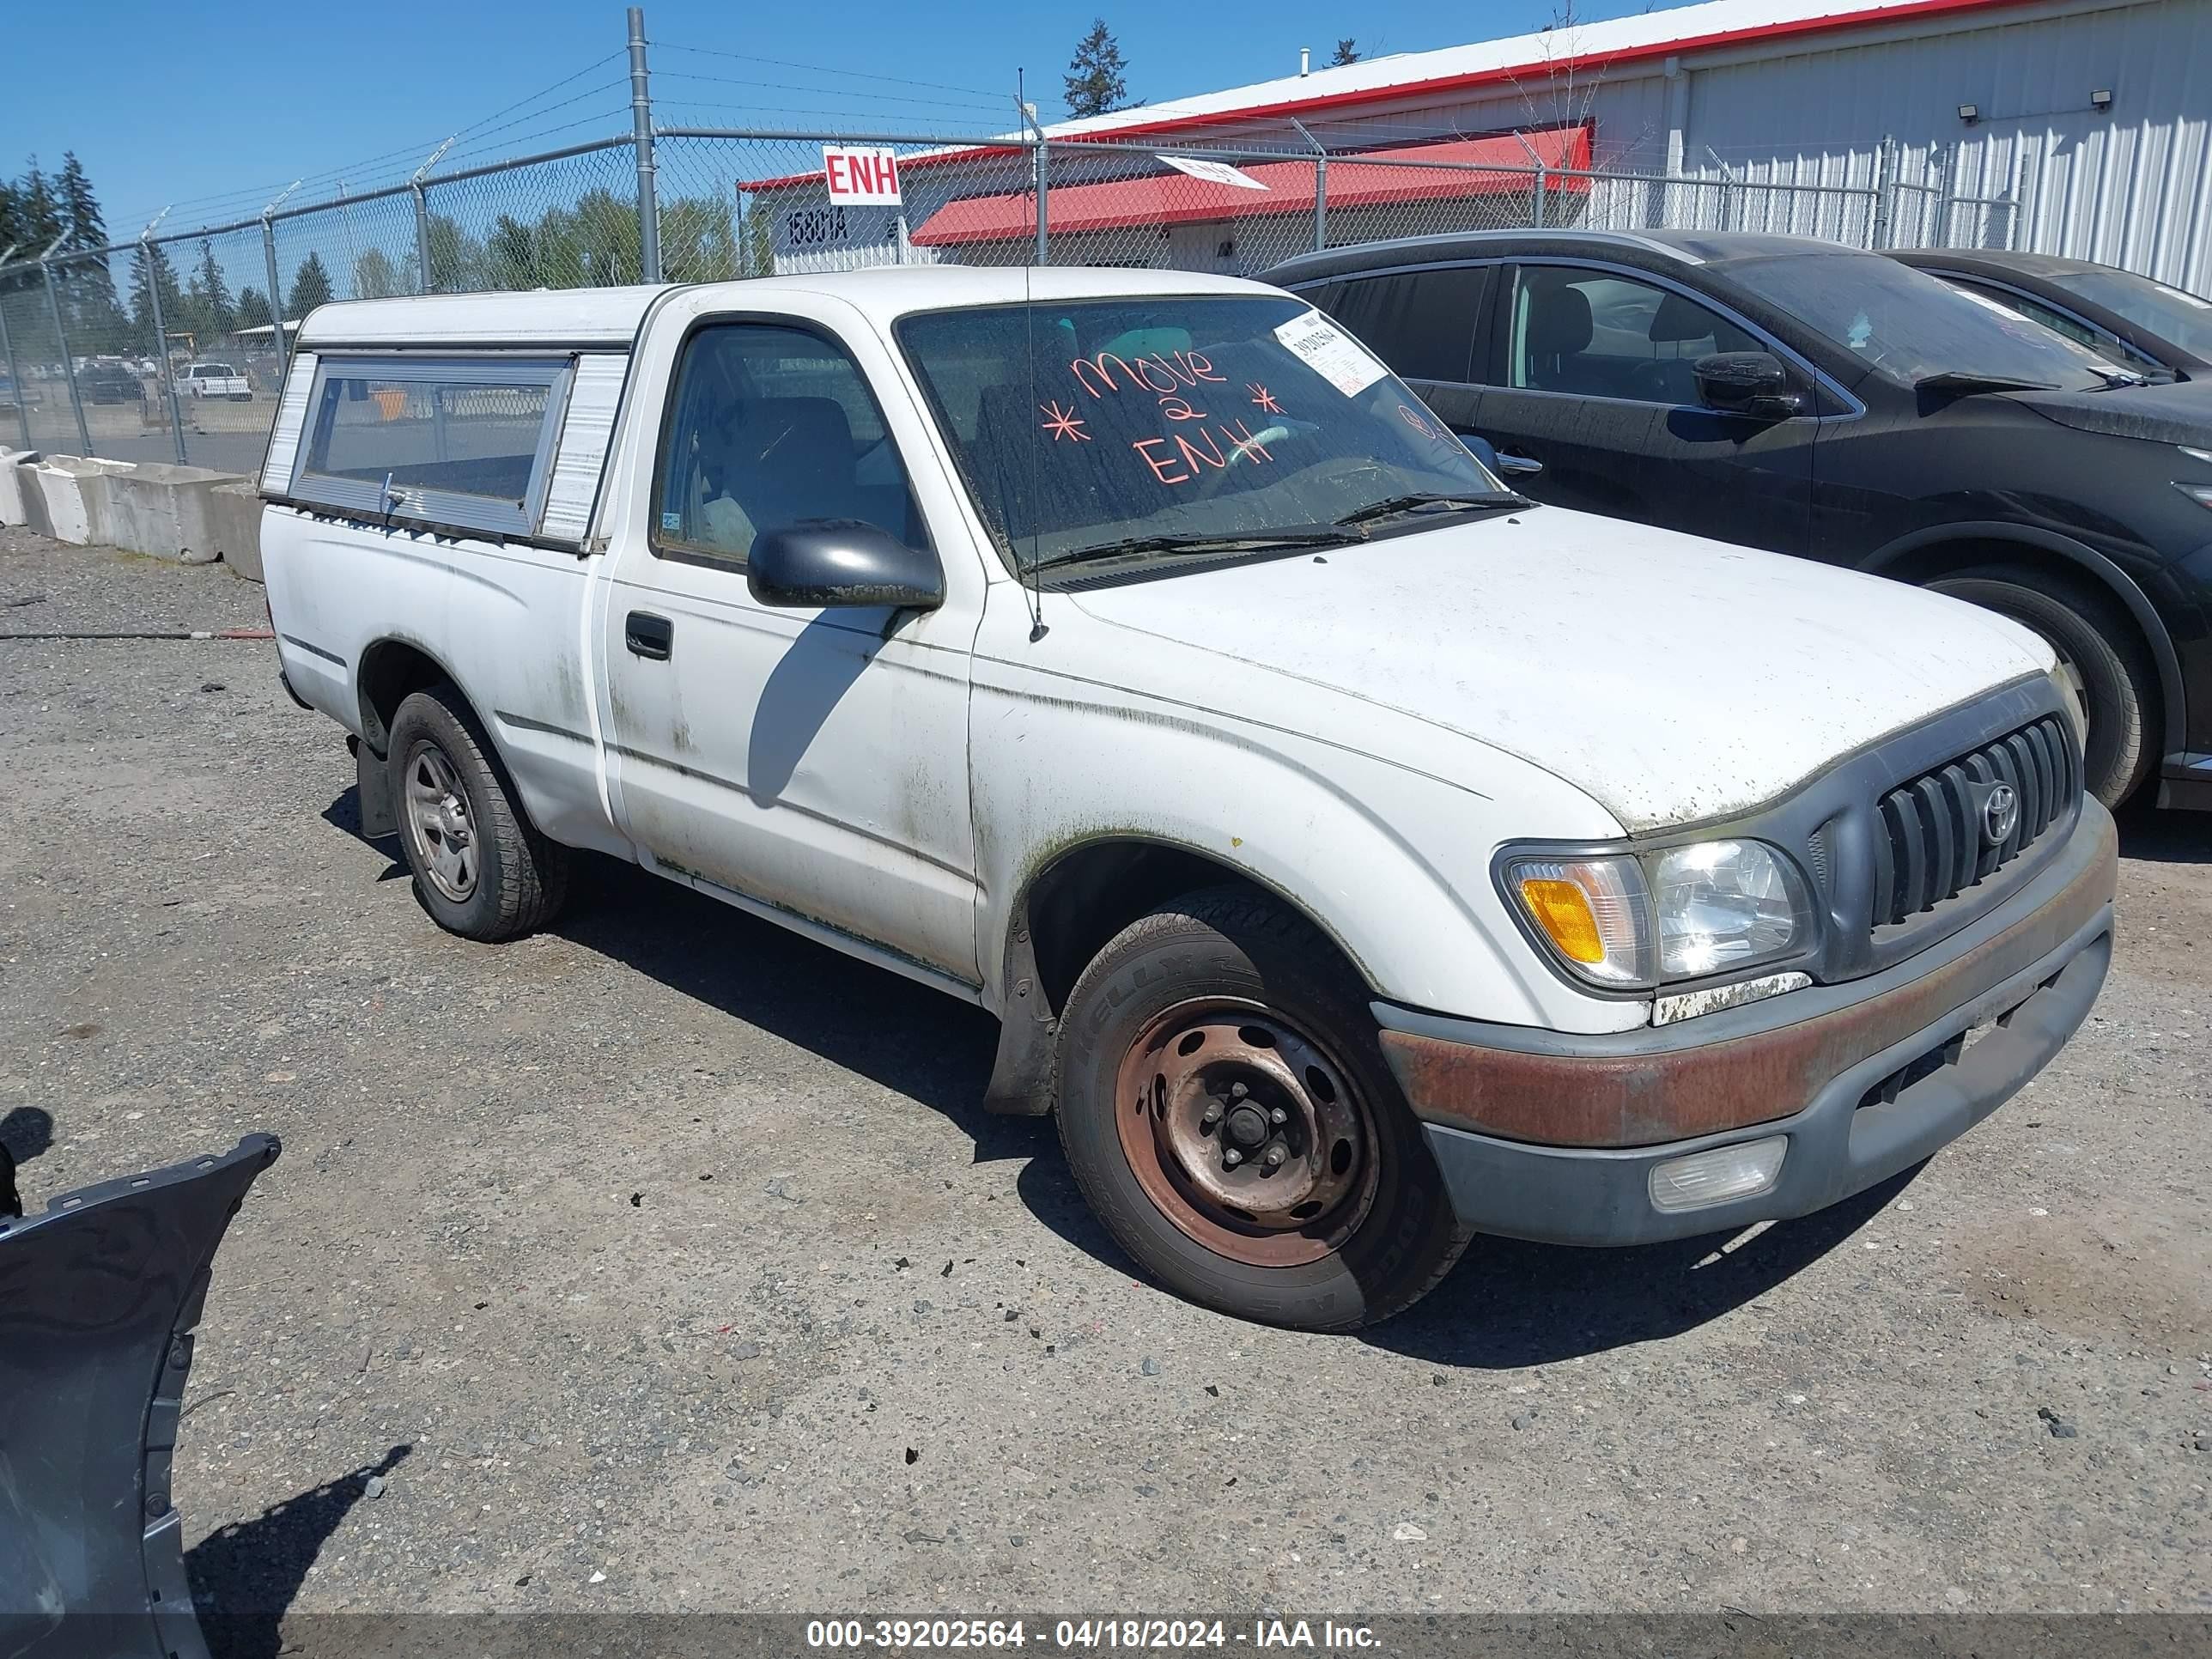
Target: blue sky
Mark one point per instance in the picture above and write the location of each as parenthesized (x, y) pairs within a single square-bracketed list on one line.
[(213, 108)]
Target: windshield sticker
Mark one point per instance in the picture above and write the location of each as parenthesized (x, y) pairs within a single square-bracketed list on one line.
[(1330, 353), (1263, 400)]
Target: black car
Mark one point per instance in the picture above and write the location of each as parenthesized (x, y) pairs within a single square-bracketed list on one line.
[(1796, 395), (2160, 331), (108, 383)]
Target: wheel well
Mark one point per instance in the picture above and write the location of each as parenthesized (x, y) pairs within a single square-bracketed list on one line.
[(1064, 919), (1931, 562), (391, 670)]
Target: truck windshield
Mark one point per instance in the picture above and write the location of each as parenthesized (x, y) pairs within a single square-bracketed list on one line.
[(1913, 327), (1151, 428)]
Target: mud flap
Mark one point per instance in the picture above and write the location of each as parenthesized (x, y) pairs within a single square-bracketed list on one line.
[(372, 777), (98, 1300)]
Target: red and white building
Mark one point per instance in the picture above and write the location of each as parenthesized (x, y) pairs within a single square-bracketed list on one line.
[(2081, 127)]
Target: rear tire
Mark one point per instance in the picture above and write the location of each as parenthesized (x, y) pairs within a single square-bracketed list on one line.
[(1309, 1197), (2100, 651), (481, 868)]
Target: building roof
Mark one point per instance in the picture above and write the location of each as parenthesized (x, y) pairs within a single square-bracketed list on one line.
[(1612, 45), (1452, 170)]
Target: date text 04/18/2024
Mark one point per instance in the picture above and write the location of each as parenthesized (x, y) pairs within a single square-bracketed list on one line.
[(1089, 1635)]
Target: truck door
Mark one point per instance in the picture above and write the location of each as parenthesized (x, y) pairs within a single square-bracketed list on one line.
[(815, 761)]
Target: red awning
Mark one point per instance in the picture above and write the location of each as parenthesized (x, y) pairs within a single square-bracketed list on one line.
[(1175, 199)]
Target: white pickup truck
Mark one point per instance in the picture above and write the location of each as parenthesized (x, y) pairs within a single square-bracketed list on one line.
[(1356, 856), (217, 381)]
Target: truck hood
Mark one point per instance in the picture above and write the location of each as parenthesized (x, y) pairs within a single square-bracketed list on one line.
[(2177, 413), (1671, 679)]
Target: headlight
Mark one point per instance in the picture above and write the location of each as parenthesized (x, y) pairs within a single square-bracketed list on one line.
[(1625, 922)]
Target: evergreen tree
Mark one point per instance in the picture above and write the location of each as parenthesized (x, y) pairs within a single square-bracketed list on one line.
[(252, 307), (375, 276), (149, 265), (85, 226), (1347, 51), (311, 287), (1094, 79), (210, 295), (38, 211)]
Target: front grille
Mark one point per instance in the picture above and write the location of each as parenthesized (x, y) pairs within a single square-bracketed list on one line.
[(1930, 840)]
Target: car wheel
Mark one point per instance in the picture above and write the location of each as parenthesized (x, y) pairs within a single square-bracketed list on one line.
[(1226, 1110), (2100, 656), (481, 869)]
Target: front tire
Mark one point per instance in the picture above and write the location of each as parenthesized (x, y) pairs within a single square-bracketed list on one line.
[(1226, 1110), (2101, 656), (481, 869)]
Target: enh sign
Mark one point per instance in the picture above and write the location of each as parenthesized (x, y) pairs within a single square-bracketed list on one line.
[(860, 177)]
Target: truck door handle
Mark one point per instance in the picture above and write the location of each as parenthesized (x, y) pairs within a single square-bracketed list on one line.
[(1518, 467), (649, 636)]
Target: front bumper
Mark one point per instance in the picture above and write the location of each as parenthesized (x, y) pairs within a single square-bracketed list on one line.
[(1821, 1066)]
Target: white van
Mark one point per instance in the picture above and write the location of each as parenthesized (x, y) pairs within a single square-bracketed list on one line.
[(1358, 856)]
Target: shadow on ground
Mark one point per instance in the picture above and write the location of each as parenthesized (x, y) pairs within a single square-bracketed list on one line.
[(2167, 837), (24, 1134), (245, 1576)]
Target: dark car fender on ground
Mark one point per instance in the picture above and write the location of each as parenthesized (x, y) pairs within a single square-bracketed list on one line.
[(98, 1300)]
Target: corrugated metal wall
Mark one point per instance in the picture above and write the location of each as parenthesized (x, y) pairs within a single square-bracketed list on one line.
[(2131, 187)]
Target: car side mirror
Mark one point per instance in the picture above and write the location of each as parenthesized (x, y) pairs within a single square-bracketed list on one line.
[(830, 562), (1752, 383), (1484, 452)]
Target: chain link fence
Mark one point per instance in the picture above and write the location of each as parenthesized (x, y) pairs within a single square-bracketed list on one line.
[(101, 343)]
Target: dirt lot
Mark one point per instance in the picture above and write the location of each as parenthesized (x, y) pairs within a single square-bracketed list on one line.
[(665, 1261)]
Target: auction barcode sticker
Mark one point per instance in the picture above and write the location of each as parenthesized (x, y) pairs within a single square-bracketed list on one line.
[(1330, 353)]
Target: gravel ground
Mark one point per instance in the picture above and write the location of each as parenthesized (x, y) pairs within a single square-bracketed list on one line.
[(665, 1261)]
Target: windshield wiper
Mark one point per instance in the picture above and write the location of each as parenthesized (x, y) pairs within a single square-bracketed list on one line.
[(1247, 541), (1391, 505)]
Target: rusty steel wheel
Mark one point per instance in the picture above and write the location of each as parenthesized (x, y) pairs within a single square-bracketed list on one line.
[(1227, 1111), (1246, 1134)]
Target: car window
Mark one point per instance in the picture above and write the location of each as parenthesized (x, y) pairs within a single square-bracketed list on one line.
[(1419, 322), (771, 426), (446, 441), (1596, 334), (2058, 322), (2166, 312), (1913, 327)]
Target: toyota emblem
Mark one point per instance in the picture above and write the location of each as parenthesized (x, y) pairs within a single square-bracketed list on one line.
[(1999, 815)]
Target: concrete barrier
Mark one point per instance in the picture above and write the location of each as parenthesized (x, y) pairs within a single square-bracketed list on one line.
[(236, 512), (70, 502), (12, 481), (169, 511)]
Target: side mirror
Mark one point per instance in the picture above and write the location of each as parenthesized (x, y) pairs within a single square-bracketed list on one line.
[(1483, 451), (1752, 383), (841, 561)]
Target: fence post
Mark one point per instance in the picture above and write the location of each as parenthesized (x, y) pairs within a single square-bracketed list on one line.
[(8, 349), (422, 281), (640, 110), (161, 338), (1536, 206), (61, 339), (275, 293), (1040, 169), (1320, 186), (1883, 185)]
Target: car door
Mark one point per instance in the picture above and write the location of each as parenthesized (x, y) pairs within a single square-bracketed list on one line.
[(814, 762), (1593, 404), (1423, 323)]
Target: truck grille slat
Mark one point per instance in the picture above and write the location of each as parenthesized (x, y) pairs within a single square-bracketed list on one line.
[(1932, 842)]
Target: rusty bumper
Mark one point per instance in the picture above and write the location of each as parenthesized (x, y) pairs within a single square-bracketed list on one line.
[(1549, 1136)]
